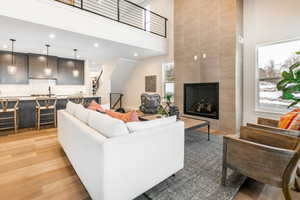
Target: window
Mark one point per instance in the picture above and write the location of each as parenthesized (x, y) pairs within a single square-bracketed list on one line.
[(168, 79), (272, 60)]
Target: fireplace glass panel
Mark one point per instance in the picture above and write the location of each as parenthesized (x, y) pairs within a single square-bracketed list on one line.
[(202, 99)]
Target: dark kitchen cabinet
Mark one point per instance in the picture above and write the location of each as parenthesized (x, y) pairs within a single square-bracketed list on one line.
[(38, 67), (13, 75), (70, 72)]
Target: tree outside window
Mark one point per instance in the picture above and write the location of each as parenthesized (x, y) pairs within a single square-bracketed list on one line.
[(272, 60)]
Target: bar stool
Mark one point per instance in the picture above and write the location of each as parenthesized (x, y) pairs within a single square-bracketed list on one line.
[(9, 111), (45, 112)]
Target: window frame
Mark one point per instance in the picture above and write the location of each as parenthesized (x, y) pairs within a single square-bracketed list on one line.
[(258, 107), (164, 81)]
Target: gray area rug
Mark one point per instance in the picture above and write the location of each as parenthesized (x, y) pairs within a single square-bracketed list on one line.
[(201, 177)]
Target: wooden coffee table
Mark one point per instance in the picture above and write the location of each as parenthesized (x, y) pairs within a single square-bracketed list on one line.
[(190, 123)]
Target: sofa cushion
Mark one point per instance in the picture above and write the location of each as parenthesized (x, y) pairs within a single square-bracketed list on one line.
[(106, 125), (82, 113), (139, 126), (71, 107)]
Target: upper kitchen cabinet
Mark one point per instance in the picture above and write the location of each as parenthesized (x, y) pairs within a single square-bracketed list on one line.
[(38, 67), (70, 72), (16, 74)]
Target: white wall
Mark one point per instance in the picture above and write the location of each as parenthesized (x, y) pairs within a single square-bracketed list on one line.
[(36, 86), (121, 73), (265, 21), (135, 85), (58, 15)]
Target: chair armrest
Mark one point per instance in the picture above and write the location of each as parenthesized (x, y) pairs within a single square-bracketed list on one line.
[(267, 122), (268, 138), (258, 161), (275, 130)]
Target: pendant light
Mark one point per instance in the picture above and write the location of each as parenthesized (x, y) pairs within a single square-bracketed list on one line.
[(47, 70), (12, 69), (75, 70)]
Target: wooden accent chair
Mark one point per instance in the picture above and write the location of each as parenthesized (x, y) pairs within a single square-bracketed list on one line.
[(9, 114), (45, 112), (272, 125), (263, 155)]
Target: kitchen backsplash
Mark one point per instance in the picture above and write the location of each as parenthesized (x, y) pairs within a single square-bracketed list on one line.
[(37, 86)]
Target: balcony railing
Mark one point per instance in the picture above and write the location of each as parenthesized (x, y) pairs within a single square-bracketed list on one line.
[(125, 12)]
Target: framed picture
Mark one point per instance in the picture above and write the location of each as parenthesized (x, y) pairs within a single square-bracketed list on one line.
[(150, 83)]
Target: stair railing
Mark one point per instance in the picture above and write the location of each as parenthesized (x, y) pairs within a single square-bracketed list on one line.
[(125, 12)]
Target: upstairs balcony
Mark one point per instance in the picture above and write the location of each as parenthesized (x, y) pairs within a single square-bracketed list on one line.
[(118, 21), (125, 12)]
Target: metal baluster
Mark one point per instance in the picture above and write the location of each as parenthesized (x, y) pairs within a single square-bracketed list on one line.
[(118, 9), (166, 28), (145, 18)]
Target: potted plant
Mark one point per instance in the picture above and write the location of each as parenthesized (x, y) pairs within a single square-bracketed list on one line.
[(168, 97), (290, 84)]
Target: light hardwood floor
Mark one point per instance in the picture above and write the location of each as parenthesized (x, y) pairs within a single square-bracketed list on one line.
[(34, 166)]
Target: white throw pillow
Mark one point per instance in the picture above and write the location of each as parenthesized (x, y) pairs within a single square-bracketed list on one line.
[(138, 126), (82, 113), (70, 107), (106, 125)]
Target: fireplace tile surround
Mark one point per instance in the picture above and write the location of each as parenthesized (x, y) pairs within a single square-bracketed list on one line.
[(217, 38)]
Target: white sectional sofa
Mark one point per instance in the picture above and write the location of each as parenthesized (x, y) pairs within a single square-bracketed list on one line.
[(118, 161)]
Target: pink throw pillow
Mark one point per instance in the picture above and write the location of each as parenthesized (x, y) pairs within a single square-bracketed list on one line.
[(96, 107)]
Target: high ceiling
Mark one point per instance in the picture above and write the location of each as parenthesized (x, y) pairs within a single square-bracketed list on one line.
[(33, 37)]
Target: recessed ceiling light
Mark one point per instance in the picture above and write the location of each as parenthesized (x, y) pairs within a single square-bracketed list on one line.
[(5, 46), (96, 45), (135, 54), (52, 36)]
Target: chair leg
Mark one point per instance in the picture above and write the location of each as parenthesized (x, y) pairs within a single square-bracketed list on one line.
[(224, 175), (55, 118), (286, 192), (15, 121), (298, 171), (297, 184), (39, 119)]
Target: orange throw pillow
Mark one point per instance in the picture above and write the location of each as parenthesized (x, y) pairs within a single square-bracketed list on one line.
[(96, 107), (125, 117), (290, 120)]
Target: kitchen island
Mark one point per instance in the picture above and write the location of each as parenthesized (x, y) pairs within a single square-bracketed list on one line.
[(27, 108)]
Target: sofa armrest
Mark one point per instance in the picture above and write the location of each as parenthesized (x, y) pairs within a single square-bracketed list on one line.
[(148, 156), (258, 161), (268, 138), (84, 148)]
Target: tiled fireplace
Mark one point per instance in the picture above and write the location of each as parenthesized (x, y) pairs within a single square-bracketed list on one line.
[(202, 99)]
